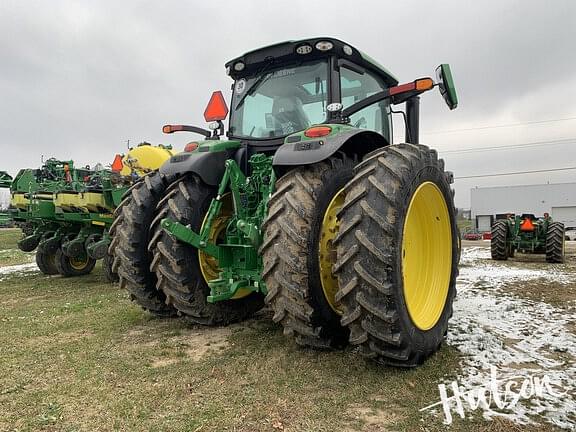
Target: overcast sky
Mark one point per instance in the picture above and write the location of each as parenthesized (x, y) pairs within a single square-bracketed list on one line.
[(78, 79)]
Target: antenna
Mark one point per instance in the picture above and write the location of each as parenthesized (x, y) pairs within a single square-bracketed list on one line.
[(128, 144)]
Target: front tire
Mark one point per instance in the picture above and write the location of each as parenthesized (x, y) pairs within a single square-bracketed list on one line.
[(555, 243), (499, 248), (298, 235), (398, 255), (177, 264)]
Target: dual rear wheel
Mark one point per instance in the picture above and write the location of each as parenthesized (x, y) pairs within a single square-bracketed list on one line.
[(365, 254)]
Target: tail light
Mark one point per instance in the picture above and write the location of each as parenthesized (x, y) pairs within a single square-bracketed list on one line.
[(191, 146), (317, 131)]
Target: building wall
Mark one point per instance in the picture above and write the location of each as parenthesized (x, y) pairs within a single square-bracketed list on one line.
[(536, 199)]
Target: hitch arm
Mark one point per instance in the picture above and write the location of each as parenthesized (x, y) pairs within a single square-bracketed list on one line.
[(187, 235)]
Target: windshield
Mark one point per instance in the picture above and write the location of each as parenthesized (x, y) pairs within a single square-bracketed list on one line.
[(280, 102)]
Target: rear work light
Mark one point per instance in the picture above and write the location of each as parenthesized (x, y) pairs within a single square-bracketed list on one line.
[(317, 131), (304, 49), (324, 45)]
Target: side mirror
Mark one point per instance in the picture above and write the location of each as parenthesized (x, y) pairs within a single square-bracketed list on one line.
[(446, 85)]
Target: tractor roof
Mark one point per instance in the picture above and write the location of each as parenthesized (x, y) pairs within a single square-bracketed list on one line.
[(285, 52)]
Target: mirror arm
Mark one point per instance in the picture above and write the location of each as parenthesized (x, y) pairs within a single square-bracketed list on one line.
[(376, 97)]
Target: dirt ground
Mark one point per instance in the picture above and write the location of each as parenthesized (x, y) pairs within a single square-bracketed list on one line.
[(77, 355)]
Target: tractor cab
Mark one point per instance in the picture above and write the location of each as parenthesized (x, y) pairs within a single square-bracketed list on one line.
[(281, 91), (288, 87)]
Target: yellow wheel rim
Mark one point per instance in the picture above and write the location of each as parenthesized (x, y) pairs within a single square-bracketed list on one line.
[(426, 256), (208, 264), (79, 263), (327, 250)]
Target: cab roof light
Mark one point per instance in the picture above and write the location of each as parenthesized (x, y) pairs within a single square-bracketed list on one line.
[(217, 110), (304, 49), (317, 131), (324, 45)]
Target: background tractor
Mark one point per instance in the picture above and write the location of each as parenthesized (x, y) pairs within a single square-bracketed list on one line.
[(308, 206), (66, 212), (530, 235)]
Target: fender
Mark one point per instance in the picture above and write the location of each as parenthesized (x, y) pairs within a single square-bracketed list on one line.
[(207, 161), (301, 150)]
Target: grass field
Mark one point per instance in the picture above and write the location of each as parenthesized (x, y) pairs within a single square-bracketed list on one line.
[(77, 355)]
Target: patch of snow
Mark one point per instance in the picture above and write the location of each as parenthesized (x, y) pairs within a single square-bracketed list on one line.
[(518, 336), (20, 268), (470, 254)]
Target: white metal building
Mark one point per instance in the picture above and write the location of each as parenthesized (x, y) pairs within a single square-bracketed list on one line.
[(559, 200)]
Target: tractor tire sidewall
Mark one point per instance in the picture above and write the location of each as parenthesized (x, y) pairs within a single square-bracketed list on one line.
[(65, 267), (189, 294), (425, 341), (46, 262), (333, 182)]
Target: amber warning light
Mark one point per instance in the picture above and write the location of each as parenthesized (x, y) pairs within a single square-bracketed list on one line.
[(217, 109)]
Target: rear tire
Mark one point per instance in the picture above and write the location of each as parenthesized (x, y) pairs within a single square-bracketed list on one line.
[(46, 262), (130, 236), (555, 243), (71, 267), (290, 252), (379, 231), (177, 265), (499, 248)]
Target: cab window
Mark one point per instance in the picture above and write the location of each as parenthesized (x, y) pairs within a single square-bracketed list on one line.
[(355, 87)]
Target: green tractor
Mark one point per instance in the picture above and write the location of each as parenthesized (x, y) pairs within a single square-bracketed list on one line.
[(308, 207), (530, 235)]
